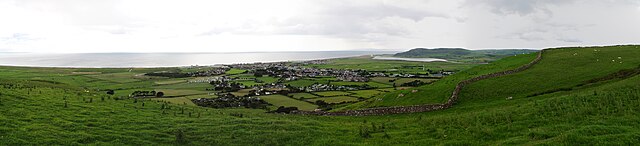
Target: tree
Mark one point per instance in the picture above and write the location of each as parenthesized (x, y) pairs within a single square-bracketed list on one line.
[(321, 103), (110, 92), (159, 94)]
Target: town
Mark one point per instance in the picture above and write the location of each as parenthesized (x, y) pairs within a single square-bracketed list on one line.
[(264, 85)]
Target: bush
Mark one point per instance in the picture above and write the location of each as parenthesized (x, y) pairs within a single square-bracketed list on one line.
[(180, 137)]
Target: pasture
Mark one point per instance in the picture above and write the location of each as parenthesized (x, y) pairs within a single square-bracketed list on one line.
[(302, 95), (331, 93), (335, 99), (365, 93), (281, 100)]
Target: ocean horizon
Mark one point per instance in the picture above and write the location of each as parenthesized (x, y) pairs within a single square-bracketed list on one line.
[(177, 59)]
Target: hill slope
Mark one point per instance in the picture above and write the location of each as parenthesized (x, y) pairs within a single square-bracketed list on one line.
[(603, 112), (560, 69), (462, 55)]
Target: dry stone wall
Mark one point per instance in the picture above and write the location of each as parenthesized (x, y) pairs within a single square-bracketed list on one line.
[(422, 108)]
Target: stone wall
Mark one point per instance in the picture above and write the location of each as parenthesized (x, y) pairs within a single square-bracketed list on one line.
[(427, 107)]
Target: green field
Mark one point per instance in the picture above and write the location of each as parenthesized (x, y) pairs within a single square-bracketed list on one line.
[(250, 83), (174, 92), (384, 80), (371, 84), (192, 86), (124, 77), (335, 99), (176, 100), (280, 100), (301, 83), (171, 81), (302, 95), (399, 81), (365, 93), (331, 93), (267, 79), (234, 71), (566, 99)]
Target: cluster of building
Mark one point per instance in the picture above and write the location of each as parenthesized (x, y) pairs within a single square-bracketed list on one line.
[(325, 87), (210, 72), (226, 86), (211, 79), (205, 73), (268, 89)]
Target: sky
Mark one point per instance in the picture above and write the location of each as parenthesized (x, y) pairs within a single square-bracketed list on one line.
[(83, 26)]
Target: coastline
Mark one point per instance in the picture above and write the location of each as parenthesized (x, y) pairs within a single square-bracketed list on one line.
[(169, 60)]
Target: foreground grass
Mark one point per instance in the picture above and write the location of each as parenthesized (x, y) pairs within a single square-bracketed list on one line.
[(38, 117)]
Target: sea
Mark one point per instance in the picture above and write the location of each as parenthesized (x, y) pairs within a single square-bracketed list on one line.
[(147, 60)]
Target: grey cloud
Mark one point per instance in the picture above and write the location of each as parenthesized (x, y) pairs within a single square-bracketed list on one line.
[(521, 7), (380, 10), (526, 7), (570, 40), (343, 19)]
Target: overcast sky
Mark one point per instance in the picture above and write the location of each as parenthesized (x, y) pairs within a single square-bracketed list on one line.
[(311, 25)]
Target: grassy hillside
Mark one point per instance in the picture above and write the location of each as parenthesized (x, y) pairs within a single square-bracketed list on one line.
[(33, 112), (560, 70), (439, 91), (437, 52), (462, 55)]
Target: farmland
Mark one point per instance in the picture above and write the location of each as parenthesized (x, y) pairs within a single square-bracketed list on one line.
[(335, 99), (280, 100), (302, 95), (573, 96), (331, 93)]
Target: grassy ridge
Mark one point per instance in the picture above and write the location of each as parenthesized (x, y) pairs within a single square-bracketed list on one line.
[(462, 55), (560, 70)]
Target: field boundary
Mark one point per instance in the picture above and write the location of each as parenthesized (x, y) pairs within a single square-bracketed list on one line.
[(425, 107)]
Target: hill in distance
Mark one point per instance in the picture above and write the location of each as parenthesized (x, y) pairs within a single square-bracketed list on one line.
[(462, 55)]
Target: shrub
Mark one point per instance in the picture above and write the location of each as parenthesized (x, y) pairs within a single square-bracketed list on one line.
[(180, 137)]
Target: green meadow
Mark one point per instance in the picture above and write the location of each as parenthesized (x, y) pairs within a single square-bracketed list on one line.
[(573, 96)]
